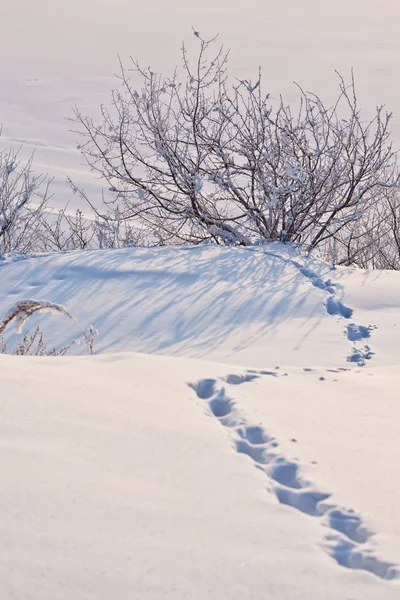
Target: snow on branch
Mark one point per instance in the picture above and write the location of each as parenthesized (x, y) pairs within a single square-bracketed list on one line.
[(196, 157)]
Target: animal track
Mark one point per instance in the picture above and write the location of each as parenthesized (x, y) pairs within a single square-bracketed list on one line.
[(220, 405), (348, 554), (238, 379), (254, 434), (349, 523), (205, 388), (334, 307), (348, 535), (286, 473), (360, 355), (315, 279), (304, 500), (356, 333), (257, 453)]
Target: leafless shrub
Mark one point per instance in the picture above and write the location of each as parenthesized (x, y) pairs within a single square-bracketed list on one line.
[(110, 229), (27, 222), (198, 158), (23, 204), (63, 231), (22, 310)]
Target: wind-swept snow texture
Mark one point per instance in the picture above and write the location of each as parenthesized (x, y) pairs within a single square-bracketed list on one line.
[(249, 307)]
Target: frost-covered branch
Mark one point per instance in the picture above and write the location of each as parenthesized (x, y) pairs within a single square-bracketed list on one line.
[(23, 204), (195, 158)]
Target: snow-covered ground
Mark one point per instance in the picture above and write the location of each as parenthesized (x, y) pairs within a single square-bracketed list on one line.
[(255, 307), (236, 435), (58, 54), (119, 481), (255, 461)]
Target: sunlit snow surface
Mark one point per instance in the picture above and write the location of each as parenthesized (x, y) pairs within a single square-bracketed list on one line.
[(251, 451), (261, 454)]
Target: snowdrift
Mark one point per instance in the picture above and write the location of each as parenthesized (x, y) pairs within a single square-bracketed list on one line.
[(240, 306)]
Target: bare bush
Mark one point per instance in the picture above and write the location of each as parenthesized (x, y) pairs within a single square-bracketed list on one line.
[(63, 231), (27, 222), (200, 158), (23, 204)]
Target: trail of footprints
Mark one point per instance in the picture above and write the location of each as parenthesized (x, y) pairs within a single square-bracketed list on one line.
[(347, 538), (354, 333)]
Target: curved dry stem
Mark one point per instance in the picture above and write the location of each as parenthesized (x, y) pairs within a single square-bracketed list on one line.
[(22, 310)]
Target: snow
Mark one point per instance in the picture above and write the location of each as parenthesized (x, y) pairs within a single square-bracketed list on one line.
[(64, 54), (236, 435), (219, 445), (327, 436), (120, 482), (254, 307)]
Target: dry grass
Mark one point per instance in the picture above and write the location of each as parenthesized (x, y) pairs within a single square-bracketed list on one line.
[(22, 310)]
